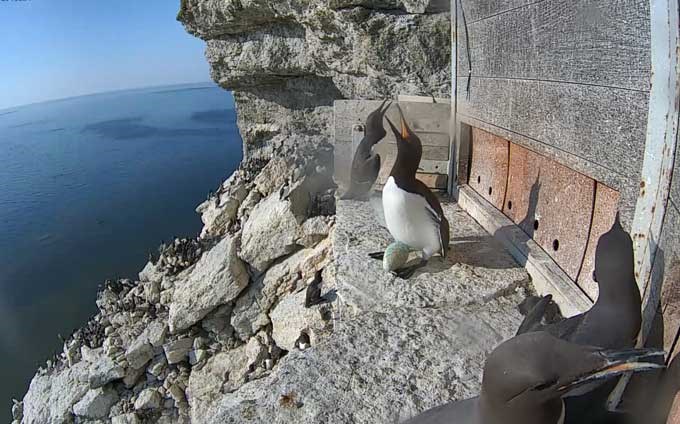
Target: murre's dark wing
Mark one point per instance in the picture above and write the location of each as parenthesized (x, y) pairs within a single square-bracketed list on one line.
[(364, 174), (461, 412), (533, 320), (437, 214)]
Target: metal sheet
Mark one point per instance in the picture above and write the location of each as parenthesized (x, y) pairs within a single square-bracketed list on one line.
[(552, 204), (606, 205), (489, 166)]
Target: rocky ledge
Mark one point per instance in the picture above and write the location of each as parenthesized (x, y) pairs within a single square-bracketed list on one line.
[(273, 313), (290, 335)]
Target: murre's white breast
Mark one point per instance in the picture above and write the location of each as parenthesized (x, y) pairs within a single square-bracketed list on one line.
[(408, 219)]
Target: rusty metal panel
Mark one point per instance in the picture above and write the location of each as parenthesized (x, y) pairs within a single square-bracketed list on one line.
[(489, 166), (604, 213), (552, 204)]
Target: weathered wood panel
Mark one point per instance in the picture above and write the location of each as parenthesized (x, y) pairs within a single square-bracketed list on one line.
[(668, 261), (604, 214), (489, 167), (552, 204), (675, 182), (601, 125), (601, 42), (476, 10), (430, 121)]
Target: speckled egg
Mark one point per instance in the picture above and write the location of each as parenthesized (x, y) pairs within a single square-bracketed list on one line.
[(396, 256)]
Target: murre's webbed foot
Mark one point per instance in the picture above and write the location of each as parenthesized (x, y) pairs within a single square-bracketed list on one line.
[(407, 272), (377, 255)]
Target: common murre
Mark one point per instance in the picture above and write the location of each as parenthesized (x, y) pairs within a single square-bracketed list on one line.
[(366, 164), (526, 377), (413, 214), (613, 322)]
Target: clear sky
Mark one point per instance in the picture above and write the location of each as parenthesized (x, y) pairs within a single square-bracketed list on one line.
[(52, 49)]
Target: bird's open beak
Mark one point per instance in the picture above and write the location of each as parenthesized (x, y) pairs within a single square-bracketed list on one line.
[(615, 363), (405, 130)]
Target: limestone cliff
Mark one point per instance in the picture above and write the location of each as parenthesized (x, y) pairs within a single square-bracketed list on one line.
[(287, 61)]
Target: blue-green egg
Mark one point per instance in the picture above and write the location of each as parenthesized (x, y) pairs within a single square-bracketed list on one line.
[(396, 256)]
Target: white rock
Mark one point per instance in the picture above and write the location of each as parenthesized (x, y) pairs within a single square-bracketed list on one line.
[(139, 353), (209, 380), (50, 398), (273, 175), (157, 365), (314, 230), (150, 273), (218, 277), (96, 403), (90, 355), (290, 319), (215, 216), (148, 399), (178, 350), (251, 309), (130, 418), (256, 352), (270, 232), (248, 204), (132, 375), (17, 409), (104, 371)]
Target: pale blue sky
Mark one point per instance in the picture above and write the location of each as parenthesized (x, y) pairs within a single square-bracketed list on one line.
[(52, 49)]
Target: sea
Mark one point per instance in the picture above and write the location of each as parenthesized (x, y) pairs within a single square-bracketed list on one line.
[(89, 186)]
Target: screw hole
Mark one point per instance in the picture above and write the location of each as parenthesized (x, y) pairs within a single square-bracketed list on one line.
[(510, 205), (536, 225), (556, 245), (490, 191), (479, 179)]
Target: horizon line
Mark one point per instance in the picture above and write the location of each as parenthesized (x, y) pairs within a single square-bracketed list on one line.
[(58, 99)]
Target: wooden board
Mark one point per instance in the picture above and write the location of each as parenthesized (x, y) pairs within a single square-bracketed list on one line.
[(476, 10), (599, 42), (552, 204), (604, 126), (604, 214), (546, 276), (489, 166), (430, 121)]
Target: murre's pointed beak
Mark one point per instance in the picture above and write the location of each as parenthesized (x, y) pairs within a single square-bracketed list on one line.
[(395, 130), (386, 104), (405, 130), (613, 363)]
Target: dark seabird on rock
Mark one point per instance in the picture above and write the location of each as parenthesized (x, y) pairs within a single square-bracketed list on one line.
[(612, 323), (413, 213), (366, 164), (526, 377)]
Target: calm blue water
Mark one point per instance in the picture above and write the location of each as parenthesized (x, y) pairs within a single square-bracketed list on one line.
[(88, 187)]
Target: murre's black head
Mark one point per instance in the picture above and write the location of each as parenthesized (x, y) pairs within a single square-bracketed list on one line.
[(374, 123), (614, 259), (525, 377), (409, 148)]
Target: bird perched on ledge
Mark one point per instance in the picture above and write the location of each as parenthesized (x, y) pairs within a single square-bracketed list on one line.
[(366, 164), (413, 213), (526, 377), (613, 322)]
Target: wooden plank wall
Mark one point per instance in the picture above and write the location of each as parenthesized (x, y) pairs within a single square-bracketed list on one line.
[(569, 80)]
